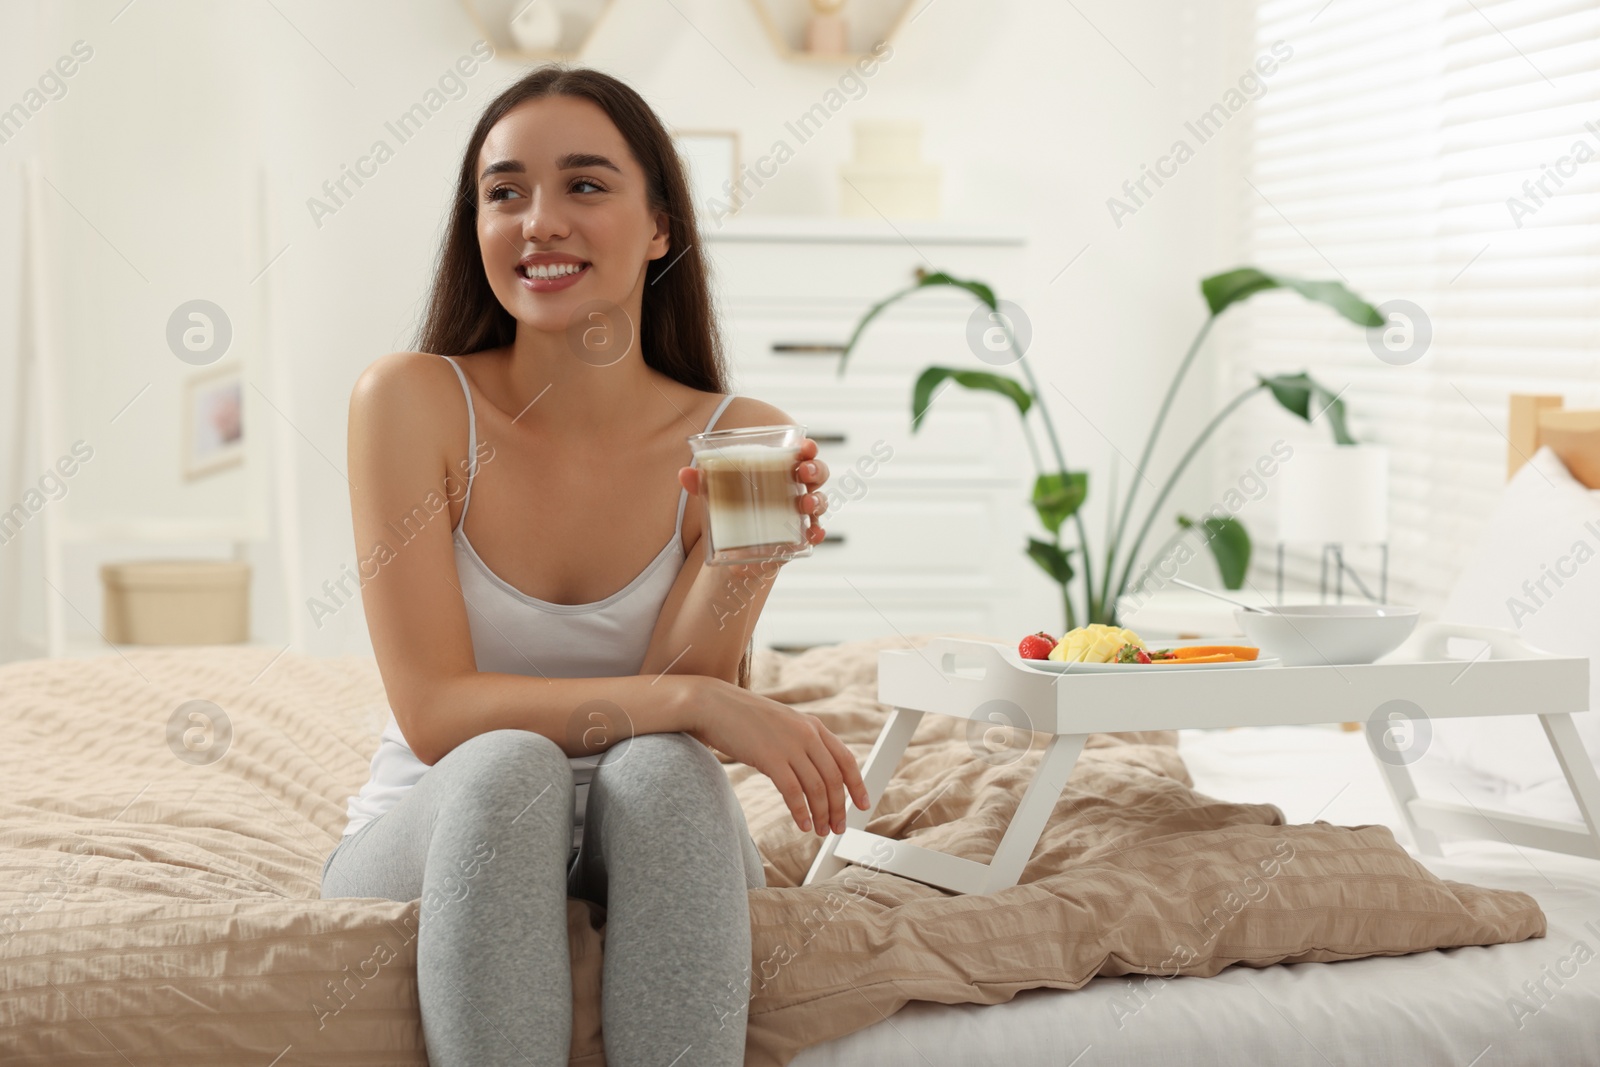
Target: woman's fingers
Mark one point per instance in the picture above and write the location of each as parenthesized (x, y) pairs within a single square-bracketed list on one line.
[(835, 763), (814, 505), (816, 791), (795, 797), (810, 470), (850, 772), (689, 478), (815, 783), (827, 767), (813, 473)]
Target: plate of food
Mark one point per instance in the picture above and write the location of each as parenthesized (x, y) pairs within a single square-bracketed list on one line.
[(1100, 649)]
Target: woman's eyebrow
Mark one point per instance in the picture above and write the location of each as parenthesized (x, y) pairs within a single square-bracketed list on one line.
[(577, 160), (570, 161), (503, 166)]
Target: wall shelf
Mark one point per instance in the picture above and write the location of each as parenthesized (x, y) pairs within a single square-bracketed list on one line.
[(578, 20), (869, 21)]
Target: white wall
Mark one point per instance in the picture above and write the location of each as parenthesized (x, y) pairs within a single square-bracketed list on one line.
[(1035, 111)]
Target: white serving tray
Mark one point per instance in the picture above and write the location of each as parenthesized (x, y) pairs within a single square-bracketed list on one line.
[(1055, 667), (991, 683)]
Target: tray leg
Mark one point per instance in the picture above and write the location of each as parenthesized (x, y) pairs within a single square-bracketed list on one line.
[(1033, 811), (1402, 790), (1577, 766), (875, 774)]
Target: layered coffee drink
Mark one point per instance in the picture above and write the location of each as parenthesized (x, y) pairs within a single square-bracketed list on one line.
[(751, 495)]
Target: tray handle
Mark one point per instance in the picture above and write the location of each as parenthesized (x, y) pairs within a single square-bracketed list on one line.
[(959, 657), (1432, 642)]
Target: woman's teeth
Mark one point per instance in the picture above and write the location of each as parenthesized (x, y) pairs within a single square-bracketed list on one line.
[(556, 270)]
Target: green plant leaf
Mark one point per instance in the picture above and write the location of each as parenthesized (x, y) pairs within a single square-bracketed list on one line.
[(1333, 407), (1304, 396), (1293, 391), (1056, 497), (1224, 290), (1055, 560), (931, 378), (1229, 543), (924, 280), (977, 289)]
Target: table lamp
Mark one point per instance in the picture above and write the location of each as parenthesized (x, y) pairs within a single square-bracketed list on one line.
[(1333, 496)]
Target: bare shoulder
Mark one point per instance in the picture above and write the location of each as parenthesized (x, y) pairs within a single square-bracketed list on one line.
[(401, 378), (745, 411), (414, 389), (408, 404)]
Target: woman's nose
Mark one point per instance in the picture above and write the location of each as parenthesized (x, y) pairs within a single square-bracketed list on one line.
[(544, 219)]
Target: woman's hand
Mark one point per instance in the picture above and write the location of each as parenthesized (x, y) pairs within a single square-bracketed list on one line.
[(810, 472), (810, 766)]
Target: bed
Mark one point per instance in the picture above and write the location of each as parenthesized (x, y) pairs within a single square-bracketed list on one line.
[(164, 815), (160, 902), (1450, 1007)]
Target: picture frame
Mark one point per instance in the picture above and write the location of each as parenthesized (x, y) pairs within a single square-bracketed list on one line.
[(711, 158), (213, 421)]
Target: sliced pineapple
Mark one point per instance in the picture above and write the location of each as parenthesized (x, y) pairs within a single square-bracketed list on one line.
[(1096, 643)]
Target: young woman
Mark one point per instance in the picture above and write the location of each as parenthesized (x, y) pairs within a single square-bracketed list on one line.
[(564, 609)]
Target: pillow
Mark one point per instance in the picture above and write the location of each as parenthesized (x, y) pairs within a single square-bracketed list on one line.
[(1536, 571)]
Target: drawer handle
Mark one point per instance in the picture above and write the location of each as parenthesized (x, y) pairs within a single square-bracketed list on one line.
[(828, 438), (806, 348), (832, 539)]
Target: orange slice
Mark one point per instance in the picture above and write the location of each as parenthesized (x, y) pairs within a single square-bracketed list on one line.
[(1220, 657), (1193, 652)]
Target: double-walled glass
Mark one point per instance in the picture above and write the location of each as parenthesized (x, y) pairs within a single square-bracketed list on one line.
[(751, 496)]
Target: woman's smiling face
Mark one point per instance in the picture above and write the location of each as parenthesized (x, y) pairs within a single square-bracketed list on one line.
[(563, 213)]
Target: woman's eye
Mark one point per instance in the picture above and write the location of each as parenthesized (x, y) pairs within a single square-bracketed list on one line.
[(586, 181), (500, 192)]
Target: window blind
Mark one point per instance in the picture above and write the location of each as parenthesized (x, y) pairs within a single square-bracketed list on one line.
[(1445, 153)]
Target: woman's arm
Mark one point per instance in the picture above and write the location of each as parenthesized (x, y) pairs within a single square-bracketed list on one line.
[(708, 617), (705, 624), (405, 437), (703, 629)]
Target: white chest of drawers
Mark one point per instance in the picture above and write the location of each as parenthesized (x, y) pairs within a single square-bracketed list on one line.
[(926, 531)]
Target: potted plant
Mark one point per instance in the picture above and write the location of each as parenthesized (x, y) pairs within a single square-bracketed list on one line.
[(1059, 492)]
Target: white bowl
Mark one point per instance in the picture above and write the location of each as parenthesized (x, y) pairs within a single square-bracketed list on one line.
[(1311, 635)]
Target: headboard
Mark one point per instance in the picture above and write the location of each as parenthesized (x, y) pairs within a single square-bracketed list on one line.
[(1537, 421)]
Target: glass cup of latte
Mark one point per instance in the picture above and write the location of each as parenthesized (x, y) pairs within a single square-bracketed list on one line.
[(751, 496)]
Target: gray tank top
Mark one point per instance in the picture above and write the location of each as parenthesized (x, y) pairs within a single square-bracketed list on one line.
[(514, 633)]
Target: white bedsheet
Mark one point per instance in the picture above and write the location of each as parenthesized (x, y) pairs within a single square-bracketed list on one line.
[(1451, 1007)]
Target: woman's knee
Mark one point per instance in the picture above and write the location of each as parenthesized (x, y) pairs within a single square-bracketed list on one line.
[(664, 754), (508, 772), (650, 766), (505, 751)]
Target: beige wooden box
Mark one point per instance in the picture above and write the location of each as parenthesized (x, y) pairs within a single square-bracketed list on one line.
[(177, 602)]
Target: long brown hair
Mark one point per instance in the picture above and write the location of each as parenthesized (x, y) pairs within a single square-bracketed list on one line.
[(677, 334), (677, 331)]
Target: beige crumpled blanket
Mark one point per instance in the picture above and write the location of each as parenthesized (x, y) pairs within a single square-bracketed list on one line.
[(155, 905)]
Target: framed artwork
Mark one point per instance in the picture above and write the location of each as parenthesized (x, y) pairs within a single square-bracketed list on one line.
[(712, 159), (213, 421)]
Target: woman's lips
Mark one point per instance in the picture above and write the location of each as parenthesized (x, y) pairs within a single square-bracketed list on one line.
[(552, 285)]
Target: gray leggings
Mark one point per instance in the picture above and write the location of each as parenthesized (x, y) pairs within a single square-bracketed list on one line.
[(484, 839)]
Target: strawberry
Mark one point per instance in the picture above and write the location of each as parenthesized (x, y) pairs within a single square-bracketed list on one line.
[(1036, 646)]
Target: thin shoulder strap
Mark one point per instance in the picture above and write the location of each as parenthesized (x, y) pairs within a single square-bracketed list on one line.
[(472, 441), (717, 414), (683, 494)]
